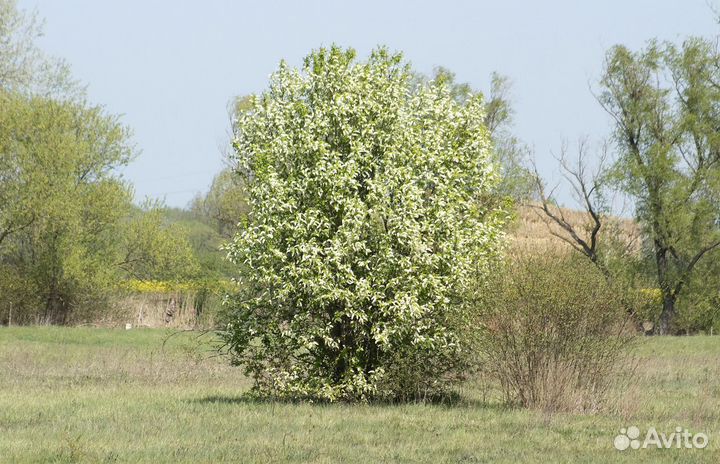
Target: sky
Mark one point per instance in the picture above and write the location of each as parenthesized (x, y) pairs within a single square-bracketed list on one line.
[(171, 67)]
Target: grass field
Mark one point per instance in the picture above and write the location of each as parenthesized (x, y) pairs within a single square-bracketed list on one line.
[(97, 395)]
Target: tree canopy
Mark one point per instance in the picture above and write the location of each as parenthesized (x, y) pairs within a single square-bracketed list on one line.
[(664, 102), (68, 230), (370, 221)]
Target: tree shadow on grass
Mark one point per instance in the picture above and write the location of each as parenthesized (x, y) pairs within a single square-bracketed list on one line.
[(454, 401)]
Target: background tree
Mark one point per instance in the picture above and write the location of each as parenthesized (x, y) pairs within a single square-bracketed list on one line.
[(154, 248), (369, 223), (24, 67), (224, 205), (206, 243), (24, 70), (664, 102), (509, 152), (61, 156), (69, 233), (589, 186), (610, 243), (15, 179)]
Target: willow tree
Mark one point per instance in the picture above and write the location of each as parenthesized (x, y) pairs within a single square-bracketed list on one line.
[(63, 207), (664, 101), (369, 225), (68, 230)]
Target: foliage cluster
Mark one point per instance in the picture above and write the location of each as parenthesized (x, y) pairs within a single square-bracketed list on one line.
[(68, 229), (371, 219)]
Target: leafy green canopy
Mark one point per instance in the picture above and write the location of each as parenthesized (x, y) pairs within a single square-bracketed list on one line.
[(370, 223), (61, 208), (665, 103), (68, 230), (223, 206), (24, 67)]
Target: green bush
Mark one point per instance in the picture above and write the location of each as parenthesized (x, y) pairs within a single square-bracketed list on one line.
[(18, 298), (554, 331), (369, 222), (699, 311)]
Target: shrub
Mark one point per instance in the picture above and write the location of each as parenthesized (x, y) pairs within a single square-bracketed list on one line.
[(647, 305), (554, 332), (19, 298), (370, 217), (699, 310)]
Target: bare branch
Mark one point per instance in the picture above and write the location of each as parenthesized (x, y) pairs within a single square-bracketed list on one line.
[(585, 190)]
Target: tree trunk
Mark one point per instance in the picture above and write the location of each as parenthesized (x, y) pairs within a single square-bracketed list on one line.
[(668, 310), (55, 307), (667, 315)]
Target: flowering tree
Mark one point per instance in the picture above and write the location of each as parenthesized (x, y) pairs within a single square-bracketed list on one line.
[(369, 225)]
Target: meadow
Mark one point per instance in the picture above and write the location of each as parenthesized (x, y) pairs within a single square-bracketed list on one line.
[(152, 395)]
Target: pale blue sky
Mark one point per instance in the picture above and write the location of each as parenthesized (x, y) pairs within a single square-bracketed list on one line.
[(171, 67)]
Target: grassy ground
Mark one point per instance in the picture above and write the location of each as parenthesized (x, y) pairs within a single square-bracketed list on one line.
[(94, 395)]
